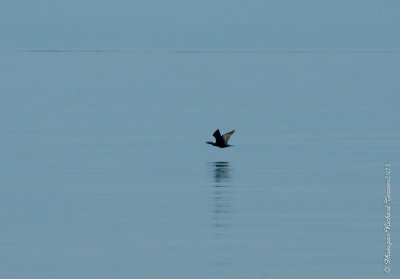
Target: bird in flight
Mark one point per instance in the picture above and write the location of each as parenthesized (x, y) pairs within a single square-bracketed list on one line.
[(221, 141)]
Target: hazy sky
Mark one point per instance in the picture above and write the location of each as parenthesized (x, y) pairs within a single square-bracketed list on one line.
[(217, 24)]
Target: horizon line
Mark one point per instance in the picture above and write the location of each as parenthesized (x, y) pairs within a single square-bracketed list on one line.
[(205, 51)]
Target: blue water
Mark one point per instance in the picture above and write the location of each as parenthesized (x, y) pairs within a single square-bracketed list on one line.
[(105, 174)]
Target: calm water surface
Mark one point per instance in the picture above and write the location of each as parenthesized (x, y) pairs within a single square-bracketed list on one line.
[(105, 174)]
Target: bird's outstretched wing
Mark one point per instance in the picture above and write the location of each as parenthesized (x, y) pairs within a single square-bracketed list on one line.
[(226, 136), (218, 138)]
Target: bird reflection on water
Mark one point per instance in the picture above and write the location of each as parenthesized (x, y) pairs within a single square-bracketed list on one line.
[(222, 193), (221, 172), (222, 218)]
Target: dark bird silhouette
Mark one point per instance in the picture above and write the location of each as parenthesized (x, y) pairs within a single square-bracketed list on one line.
[(221, 141)]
